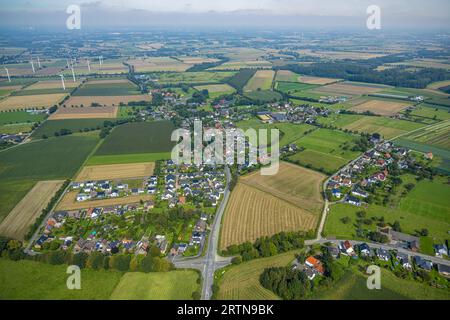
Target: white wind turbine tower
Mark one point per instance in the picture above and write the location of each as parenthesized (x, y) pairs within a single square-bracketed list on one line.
[(62, 81), (32, 66), (39, 62), (73, 74), (7, 73), (89, 66), (67, 61), (100, 60)]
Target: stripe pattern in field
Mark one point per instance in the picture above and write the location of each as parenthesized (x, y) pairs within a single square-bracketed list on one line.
[(252, 213), (19, 220), (116, 171)]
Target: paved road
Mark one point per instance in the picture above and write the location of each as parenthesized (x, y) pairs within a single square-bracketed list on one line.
[(211, 261)]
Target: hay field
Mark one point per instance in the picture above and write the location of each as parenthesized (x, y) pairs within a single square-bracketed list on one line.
[(52, 84), (116, 171), (30, 101), (299, 186), (261, 80), (158, 64), (350, 88), (19, 220), (69, 202), (381, 107), (84, 113), (104, 100), (252, 214)]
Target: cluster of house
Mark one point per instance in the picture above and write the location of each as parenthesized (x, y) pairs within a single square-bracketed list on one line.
[(347, 181), (92, 242), (103, 189), (293, 114), (197, 238), (13, 138), (313, 267), (332, 99), (188, 180)]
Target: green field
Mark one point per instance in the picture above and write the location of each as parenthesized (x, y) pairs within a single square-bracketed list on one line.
[(41, 91), (51, 159), (325, 149), (172, 285), (436, 135), (216, 90), (263, 96), (15, 128), (241, 282), (128, 158), (49, 128), (193, 77), (432, 112), (146, 137), (20, 117), (34, 280), (107, 89), (426, 206), (353, 286), (292, 87)]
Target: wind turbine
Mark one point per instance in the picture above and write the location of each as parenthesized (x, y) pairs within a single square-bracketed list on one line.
[(89, 66), (100, 59), (73, 74), (7, 73), (62, 81), (32, 66), (39, 62)]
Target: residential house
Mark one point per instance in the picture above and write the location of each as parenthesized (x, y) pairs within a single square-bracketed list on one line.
[(404, 260), (346, 248), (441, 250), (423, 263), (364, 249), (383, 254)]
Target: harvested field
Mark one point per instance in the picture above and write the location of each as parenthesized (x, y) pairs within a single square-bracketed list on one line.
[(317, 80), (381, 107), (116, 171), (157, 64), (252, 214), (350, 88), (105, 100), (69, 201), (84, 113), (196, 60), (297, 185), (30, 101), (108, 81), (19, 220), (261, 80)]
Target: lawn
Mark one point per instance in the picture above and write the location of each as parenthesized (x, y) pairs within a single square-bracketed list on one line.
[(128, 158), (20, 117), (49, 128), (172, 285), (241, 282), (437, 223), (138, 137), (34, 280)]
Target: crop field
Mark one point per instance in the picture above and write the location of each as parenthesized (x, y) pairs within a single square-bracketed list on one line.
[(381, 107), (158, 64), (410, 220), (196, 60), (26, 279), (172, 285), (317, 80), (116, 171), (325, 145), (252, 214), (350, 88), (52, 159), (387, 127), (69, 201), (263, 96), (428, 111), (216, 90), (147, 137), (299, 186), (30, 101), (49, 128), (105, 100), (337, 55), (193, 77), (241, 282), (6, 90), (108, 66), (120, 87), (287, 75), (261, 80), (51, 84), (436, 135), (128, 158), (19, 220), (64, 113), (291, 87), (15, 128), (243, 64)]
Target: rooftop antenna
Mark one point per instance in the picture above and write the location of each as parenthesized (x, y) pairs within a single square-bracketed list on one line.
[(62, 81), (73, 74), (32, 66), (7, 73), (39, 62)]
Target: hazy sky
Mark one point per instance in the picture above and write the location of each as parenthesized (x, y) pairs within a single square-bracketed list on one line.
[(395, 13)]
